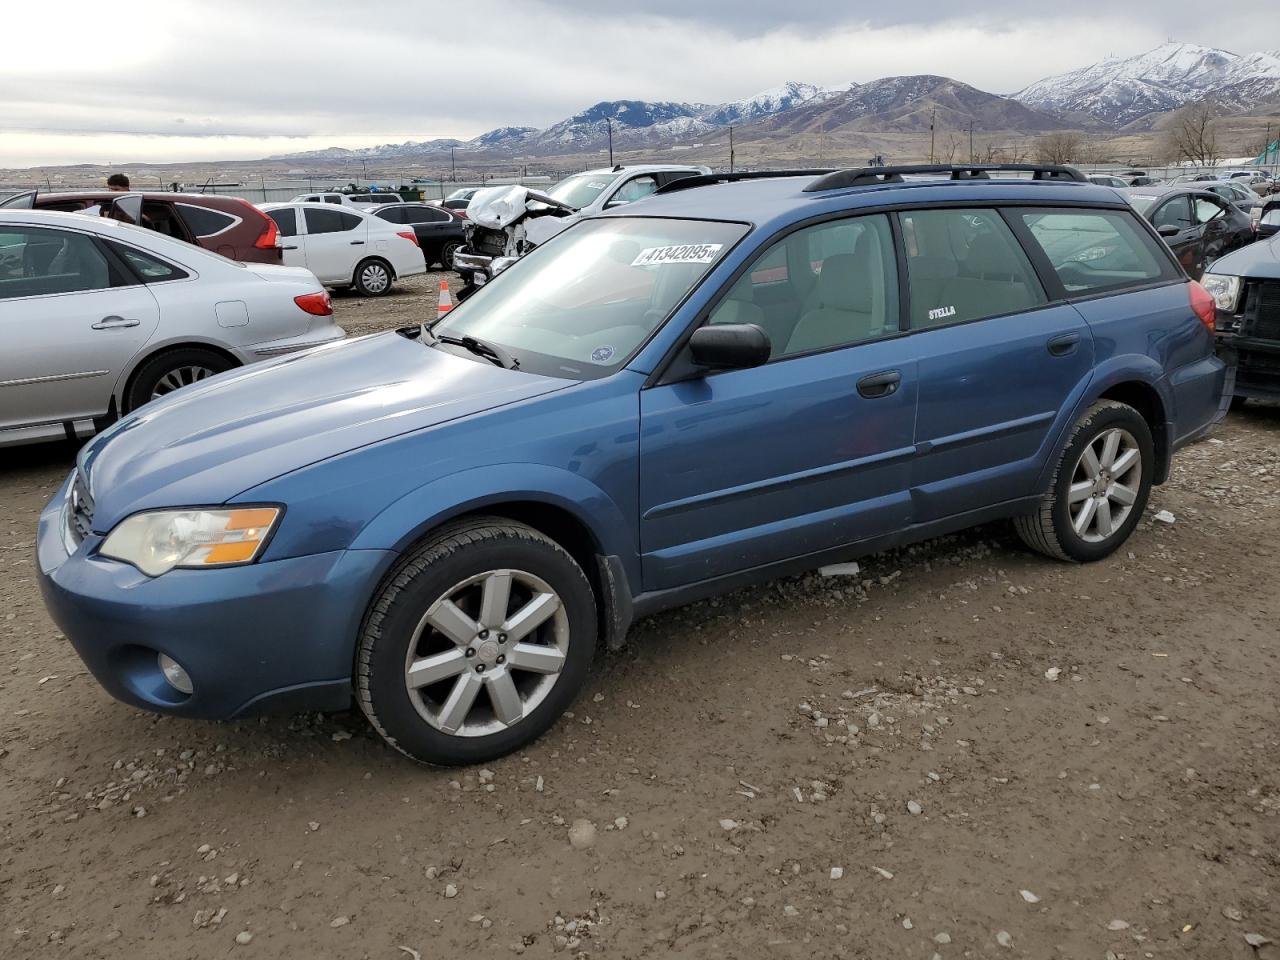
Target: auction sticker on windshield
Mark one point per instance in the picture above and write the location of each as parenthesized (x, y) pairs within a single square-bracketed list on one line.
[(679, 253)]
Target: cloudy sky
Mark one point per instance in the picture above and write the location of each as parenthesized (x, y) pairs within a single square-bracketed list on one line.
[(241, 79)]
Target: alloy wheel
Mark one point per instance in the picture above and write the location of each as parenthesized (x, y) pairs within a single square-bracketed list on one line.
[(487, 653), (179, 377), (1105, 484)]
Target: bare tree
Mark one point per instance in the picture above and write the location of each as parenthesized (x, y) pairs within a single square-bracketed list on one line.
[(1193, 135), (954, 142), (1061, 147)]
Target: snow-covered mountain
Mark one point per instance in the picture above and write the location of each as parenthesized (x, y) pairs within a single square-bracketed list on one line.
[(632, 121), (1122, 90), (766, 103), (503, 137), (384, 151)]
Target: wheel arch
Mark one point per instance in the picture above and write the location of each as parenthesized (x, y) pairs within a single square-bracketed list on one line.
[(127, 377), (1146, 399), (381, 259)]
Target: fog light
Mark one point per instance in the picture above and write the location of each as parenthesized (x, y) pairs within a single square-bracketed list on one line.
[(178, 678)]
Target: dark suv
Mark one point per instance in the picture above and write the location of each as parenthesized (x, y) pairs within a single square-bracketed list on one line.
[(1246, 289), (230, 226), (719, 384)]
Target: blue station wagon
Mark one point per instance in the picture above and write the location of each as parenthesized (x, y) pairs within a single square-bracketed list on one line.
[(740, 377)]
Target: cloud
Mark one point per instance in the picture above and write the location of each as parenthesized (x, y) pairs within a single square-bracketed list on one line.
[(247, 73)]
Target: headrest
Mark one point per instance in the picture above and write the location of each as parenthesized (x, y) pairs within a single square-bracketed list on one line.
[(845, 281)]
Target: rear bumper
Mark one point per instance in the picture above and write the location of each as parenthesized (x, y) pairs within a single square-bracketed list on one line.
[(330, 333), (267, 636)]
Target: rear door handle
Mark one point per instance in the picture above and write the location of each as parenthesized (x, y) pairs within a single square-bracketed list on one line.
[(879, 385), (114, 323), (1063, 345)]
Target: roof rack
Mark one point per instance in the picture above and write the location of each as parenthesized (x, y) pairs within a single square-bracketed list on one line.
[(870, 176), (706, 179)]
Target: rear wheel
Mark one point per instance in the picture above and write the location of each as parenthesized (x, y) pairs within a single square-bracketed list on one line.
[(372, 278), (170, 371), (1099, 490), (477, 644), (446, 253)]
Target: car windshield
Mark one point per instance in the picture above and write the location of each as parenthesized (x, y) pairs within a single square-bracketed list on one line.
[(1142, 203), (581, 189), (580, 304)]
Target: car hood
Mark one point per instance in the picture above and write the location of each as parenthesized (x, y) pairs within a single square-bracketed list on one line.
[(207, 443), (498, 207), (1260, 260)]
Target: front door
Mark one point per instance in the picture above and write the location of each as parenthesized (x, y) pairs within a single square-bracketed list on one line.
[(807, 453), (70, 321), (1175, 223)]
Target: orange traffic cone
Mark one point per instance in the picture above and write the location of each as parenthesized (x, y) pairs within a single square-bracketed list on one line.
[(446, 301)]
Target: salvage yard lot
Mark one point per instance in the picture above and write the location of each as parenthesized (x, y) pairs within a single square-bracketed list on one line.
[(966, 750)]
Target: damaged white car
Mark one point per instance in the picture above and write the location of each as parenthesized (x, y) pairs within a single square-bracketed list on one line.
[(507, 222)]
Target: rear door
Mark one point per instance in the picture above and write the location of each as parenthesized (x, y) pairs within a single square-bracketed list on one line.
[(1212, 216), (292, 241), (998, 363), (71, 318), (336, 240)]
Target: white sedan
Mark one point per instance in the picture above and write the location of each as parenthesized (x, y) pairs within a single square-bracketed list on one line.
[(346, 247), (98, 317)]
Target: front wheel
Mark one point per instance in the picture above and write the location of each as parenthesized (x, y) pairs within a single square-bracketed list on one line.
[(477, 644), (372, 278), (446, 253), (1099, 490)]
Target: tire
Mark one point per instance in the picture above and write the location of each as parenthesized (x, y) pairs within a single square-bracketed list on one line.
[(445, 582), (1054, 529), (1238, 402), (373, 278), (447, 250), (169, 371)]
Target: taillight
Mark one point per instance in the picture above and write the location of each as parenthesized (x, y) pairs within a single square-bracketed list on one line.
[(408, 235), (267, 241), (1203, 305), (316, 304), (462, 214)]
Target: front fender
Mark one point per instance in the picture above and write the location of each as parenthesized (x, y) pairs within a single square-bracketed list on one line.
[(426, 507)]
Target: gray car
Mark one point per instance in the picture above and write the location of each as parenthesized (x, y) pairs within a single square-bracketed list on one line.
[(98, 317)]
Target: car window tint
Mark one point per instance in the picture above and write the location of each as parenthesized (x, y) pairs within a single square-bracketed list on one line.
[(204, 222), (286, 221), (829, 285), (149, 267), (36, 262), (965, 265), (1094, 250), (391, 215), (1207, 209), (329, 221), (1173, 213), (634, 189)]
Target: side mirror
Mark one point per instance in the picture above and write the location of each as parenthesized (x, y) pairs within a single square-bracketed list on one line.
[(616, 203), (1168, 230), (729, 346)]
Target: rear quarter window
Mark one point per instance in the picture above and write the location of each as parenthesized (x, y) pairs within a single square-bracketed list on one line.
[(1097, 250), (203, 222)]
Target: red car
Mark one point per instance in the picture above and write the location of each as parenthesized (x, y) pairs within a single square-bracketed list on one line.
[(230, 226)]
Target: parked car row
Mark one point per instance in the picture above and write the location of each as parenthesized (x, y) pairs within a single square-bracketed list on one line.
[(738, 377)]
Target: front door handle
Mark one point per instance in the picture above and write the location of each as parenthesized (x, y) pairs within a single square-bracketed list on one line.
[(1063, 345), (357, 243), (114, 323), (879, 385)]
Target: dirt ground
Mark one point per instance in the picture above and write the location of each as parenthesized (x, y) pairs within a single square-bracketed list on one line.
[(967, 751)]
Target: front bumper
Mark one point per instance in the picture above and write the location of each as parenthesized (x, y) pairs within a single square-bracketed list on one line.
[(264, 637), (1255, 363)]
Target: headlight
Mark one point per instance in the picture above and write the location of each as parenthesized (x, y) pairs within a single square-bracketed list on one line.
[(157, 542), (1225, 290)]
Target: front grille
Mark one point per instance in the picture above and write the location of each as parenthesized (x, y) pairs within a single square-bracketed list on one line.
[(1262, 311), (80, 514)]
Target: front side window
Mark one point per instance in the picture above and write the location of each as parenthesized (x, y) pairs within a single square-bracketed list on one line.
[(38, 262), (580, 304), (1094, 250), (330, 221), (581, 189), (830, 285), (1175, 213), (1207, 209), (965, 265), (635, 189)]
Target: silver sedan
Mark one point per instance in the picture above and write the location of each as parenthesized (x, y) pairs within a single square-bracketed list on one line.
[(98, 317)]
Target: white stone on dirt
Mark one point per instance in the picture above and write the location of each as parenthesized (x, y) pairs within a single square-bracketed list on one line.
[(1233, 913), (339, 922), (837, 873), (1053, 673), (727, 824), (621, 823), (582, 834), (1118, 925), (1004, 938), (790, 911), (943, 937), (914, 808), (1164, 516), (340, 735), (1256, 940), (1028, 896), (883, 872), (243, 937), (450, 891)]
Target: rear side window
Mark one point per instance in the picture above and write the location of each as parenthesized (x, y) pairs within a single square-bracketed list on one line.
[(330, 221), (1207, 209), (1097, 250), (965, 265), (1174, 213), (204, 222), (286, 221)]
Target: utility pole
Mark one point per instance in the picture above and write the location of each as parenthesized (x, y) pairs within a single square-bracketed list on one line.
[(364, 171), (932, 115), (453, 163), (972, 157), (731, 149), (609, 127)]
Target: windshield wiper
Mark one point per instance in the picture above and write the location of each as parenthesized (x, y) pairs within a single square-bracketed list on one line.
[(481, 348)]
